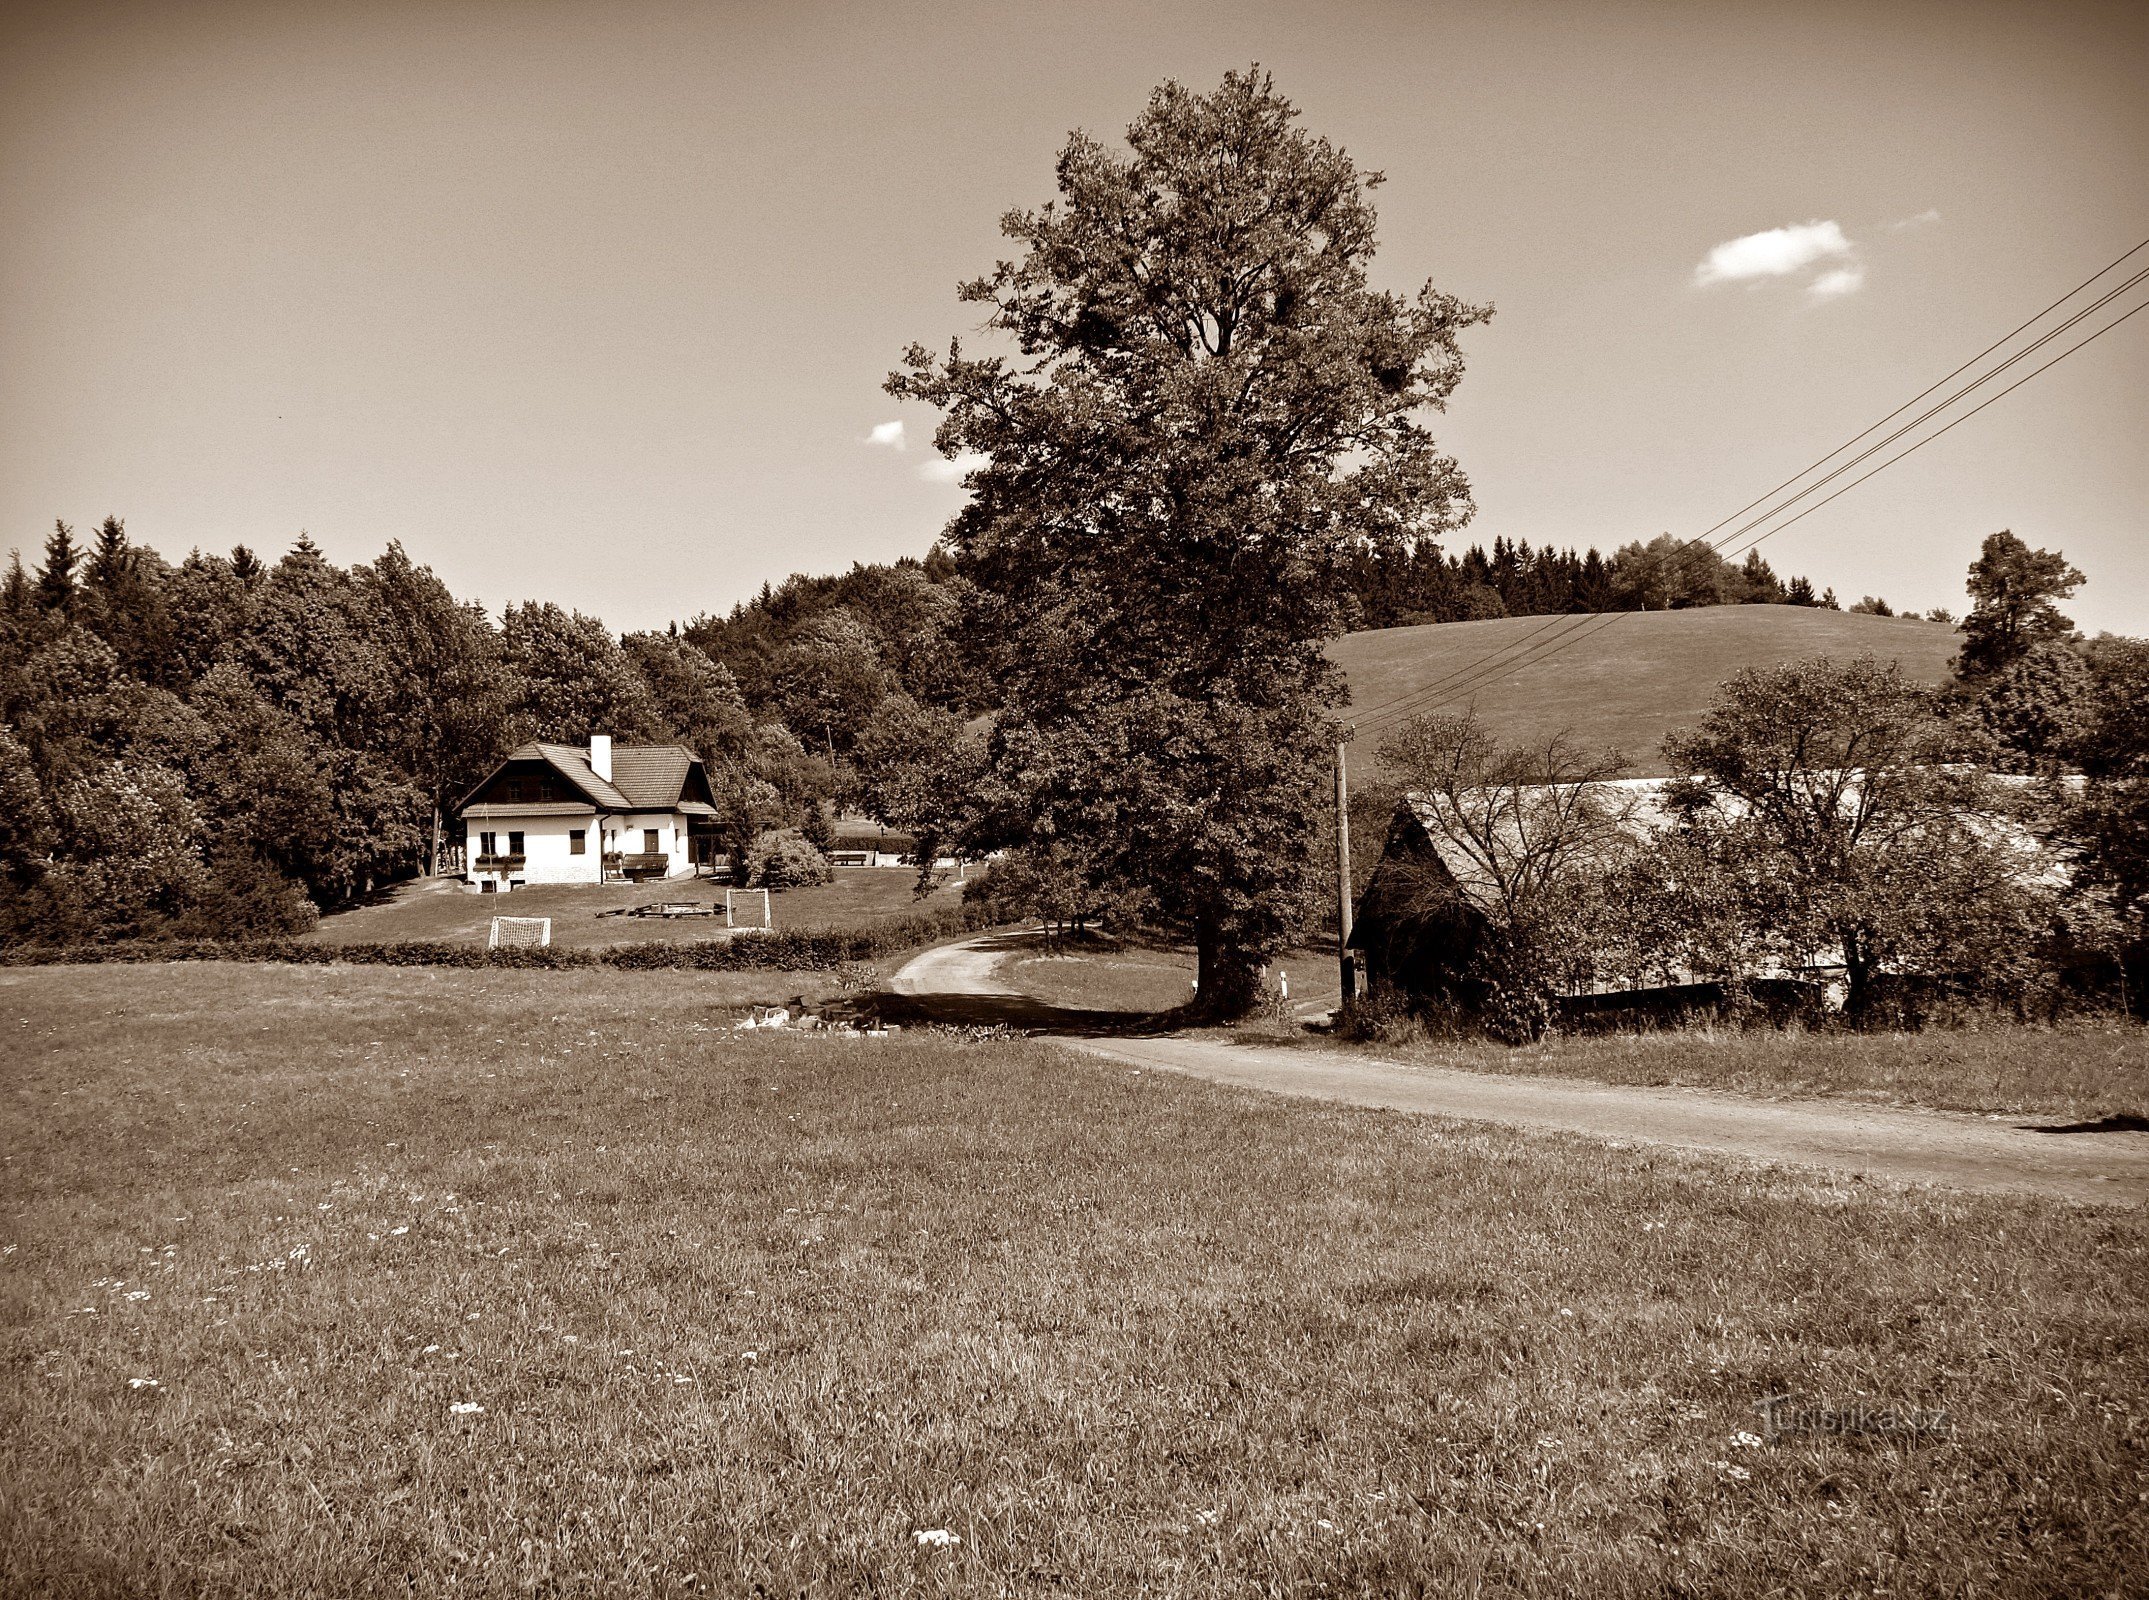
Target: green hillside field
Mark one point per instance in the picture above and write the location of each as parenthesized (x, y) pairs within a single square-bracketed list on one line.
[(1621, 685)]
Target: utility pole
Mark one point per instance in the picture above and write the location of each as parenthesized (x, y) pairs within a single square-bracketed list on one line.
[(1345, 963)]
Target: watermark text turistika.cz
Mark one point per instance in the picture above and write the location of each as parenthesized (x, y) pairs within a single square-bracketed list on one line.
[(1786, 1415)]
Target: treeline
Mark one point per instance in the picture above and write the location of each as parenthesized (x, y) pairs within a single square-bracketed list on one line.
[(224, 746), (1513, 580), (906, 624)]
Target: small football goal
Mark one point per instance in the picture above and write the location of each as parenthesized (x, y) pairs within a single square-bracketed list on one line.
[(749, 903), (520, 933)]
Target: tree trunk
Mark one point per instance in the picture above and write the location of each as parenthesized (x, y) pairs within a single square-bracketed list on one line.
[(1858, 975), (1227, 978)]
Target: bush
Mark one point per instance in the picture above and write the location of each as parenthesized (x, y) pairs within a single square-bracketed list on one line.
[(785, 858), (1386, 1016)]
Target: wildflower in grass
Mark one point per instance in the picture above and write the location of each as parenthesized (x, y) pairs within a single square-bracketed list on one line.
[(143, 1383), (404, 1229), (466, 1408), (1742, 1440), (749, 1355), (1565, 1312), (137, 1294), (430, 1350), (937, 1538)]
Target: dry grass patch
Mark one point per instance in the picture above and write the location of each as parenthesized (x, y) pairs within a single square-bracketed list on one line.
[(2081, 1072), (409, 1281)]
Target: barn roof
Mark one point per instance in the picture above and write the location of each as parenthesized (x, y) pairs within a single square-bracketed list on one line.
[(1633, 808)]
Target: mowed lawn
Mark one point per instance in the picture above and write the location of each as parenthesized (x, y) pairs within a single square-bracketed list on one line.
[(436, 909), (364, 1280)]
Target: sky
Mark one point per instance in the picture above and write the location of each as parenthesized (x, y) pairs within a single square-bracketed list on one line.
[(592, 302)]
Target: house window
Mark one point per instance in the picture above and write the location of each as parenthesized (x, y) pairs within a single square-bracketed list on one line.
[(649, 842), (485, 844), (514, 844), (577, 842)]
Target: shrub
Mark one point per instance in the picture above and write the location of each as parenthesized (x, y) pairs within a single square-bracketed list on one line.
[(784, 858), (800, 949), (1386, 1016)]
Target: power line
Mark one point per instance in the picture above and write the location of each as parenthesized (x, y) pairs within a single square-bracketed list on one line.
[(1933, 410), (1490, 665), (1956, 423), (1571, 630), (1607, 619)]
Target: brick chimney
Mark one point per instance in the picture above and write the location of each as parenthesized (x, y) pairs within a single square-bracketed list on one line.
[(600, 755)]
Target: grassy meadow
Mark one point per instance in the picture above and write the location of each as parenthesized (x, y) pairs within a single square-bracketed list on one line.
[(1627, 685), (417, 1281), (433, 909)]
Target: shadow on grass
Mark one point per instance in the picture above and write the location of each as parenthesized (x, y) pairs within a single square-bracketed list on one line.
[(2118, 1122), (1025, 1011), (997, 1007)]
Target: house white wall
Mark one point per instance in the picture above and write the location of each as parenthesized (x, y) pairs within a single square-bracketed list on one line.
[(623, 833), (548, 855), (546, 848)]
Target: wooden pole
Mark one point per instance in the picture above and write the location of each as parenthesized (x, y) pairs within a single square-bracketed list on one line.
[(1345, 965)]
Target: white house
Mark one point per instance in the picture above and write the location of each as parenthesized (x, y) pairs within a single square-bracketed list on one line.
[(563, 813)]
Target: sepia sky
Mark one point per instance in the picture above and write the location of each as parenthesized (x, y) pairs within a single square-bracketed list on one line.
[(592, 302)]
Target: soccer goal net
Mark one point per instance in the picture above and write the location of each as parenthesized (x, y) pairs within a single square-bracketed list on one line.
[(520, 933), (750, 903)]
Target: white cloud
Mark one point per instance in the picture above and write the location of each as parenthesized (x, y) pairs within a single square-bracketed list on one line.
[(1776, 253), (887, 433), (1932, 214), (941, 470), (1837, 281)]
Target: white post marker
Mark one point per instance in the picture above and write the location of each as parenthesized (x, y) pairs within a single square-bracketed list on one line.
[(733, 898), (520, 933)]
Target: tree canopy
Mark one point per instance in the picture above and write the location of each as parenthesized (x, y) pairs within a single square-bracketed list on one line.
[(1210, 412), (2014, 595)]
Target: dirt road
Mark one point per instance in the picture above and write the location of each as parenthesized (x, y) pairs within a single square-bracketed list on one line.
[(1881, 1142)]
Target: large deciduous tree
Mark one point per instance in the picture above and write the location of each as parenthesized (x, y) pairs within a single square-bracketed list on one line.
[(1212, 410), (1821, 791), (572, 677), (2013, 594)]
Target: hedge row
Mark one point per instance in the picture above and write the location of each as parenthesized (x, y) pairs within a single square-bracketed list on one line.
[(805, 949)]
